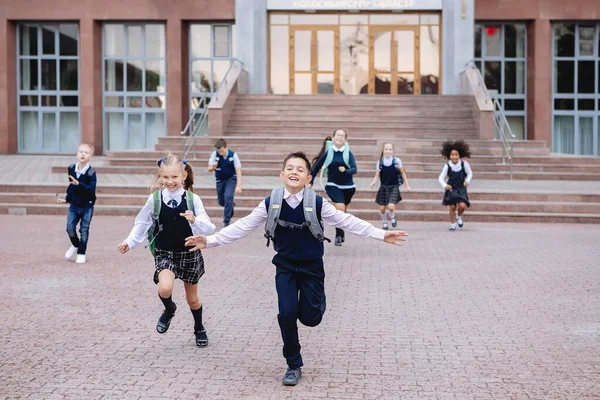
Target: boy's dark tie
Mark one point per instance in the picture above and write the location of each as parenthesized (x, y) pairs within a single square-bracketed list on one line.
[(172, 203)]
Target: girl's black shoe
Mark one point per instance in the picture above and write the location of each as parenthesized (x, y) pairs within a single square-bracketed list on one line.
[(201, 338), (164, 321)]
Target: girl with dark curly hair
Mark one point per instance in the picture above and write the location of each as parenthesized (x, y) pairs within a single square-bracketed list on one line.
[(459, 174)]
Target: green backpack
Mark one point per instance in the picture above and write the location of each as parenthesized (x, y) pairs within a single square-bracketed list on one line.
[(157, 227)]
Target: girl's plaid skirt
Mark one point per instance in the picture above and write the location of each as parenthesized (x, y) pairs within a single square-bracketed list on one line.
[(187, 266), (388, 195)]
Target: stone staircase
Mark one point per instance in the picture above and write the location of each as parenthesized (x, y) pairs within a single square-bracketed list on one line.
[(263, 129), (419, 205)]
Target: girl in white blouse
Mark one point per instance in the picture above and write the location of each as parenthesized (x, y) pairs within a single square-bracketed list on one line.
[(458, 173), (180, 213)]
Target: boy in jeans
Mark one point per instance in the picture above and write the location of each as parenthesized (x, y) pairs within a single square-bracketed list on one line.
[(294, 217), (81, 195), (228, 172)]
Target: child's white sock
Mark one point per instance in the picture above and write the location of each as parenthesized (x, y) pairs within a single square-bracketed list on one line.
[(392, 216), (383, 217)]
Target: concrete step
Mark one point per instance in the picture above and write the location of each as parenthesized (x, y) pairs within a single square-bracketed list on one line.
[(365, 173), (317, 140), (368, 163), (49, 191), (364, 204), (370, 215)]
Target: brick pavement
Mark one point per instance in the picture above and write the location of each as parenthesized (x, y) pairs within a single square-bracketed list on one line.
[(503, 311)]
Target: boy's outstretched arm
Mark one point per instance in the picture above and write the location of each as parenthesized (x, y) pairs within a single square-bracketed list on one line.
[(239, 229), (339, 219)]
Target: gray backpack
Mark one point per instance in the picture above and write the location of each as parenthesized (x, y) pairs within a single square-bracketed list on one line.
[(310, 215)]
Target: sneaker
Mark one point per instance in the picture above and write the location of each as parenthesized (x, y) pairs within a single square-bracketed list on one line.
[(165, 321), (385, 226), (394, 223), (201, 338), (338, 240), (452, 227), (459, 221), (80, 259), (71, 252), (292, 376)]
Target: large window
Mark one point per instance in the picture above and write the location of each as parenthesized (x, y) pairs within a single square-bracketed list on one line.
[(576, 88), (135, 85), (211, 49), (48, 87), (501, 54), (354, 53)]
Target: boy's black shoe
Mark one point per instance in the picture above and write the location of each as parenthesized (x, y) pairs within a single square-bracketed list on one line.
[(292, 376), (338, 240), (201, 338), (165, 320)]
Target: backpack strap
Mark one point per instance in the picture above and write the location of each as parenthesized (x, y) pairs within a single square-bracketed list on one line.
[(190, 201), (156, 227), (310, 215), (273, 212)]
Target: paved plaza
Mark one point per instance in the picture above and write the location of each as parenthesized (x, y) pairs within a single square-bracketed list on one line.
[(493, 311)]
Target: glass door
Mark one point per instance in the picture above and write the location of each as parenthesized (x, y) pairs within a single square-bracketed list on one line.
[(394, 60), (314, 60)]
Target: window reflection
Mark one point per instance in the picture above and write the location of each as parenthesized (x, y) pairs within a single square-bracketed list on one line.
[(430, 59), (280, 68), (354, 58)]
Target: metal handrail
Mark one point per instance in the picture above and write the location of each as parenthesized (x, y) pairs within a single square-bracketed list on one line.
[(192, 137), (236, 63), (500, 122)]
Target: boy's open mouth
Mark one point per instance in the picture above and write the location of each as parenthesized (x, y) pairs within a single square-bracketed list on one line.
[(293, 178)]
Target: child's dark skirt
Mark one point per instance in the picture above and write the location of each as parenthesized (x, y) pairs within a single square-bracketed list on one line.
[(187, 266), (456, 196), (388, 195)]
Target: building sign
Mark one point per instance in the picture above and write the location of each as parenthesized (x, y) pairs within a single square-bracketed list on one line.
[(354, 4)]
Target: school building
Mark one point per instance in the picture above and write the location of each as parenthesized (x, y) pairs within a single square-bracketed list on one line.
[(120, 74)]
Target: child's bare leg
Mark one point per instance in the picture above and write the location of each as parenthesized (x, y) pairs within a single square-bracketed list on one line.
[(382, 214), (461, 208), (166, 281), (392, 210), (338, 232), (452, 214), (191, 295)]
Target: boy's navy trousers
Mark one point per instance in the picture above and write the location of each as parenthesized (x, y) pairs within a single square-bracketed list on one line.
[(301, 296)]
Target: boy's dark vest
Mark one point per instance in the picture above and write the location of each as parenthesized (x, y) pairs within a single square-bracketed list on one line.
[(226, 168), (78, 196), (175, 228), (297, 244)]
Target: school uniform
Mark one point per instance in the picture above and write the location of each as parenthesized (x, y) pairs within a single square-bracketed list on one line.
[(226, 180), (299, 272), (171, 252), (340, 186), (389, 175), (81, 199), (457, 174)]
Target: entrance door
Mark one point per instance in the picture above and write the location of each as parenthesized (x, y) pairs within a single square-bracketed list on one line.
[(394, 60), (314, 59)]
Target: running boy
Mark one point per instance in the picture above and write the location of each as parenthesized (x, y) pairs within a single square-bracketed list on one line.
[(81, 195), (293, 217), (228, 173)]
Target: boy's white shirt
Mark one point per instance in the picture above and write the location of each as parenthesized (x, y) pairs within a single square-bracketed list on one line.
[(214, 156), (456, 168), (143, 221), (79, 172), (329, 214)]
